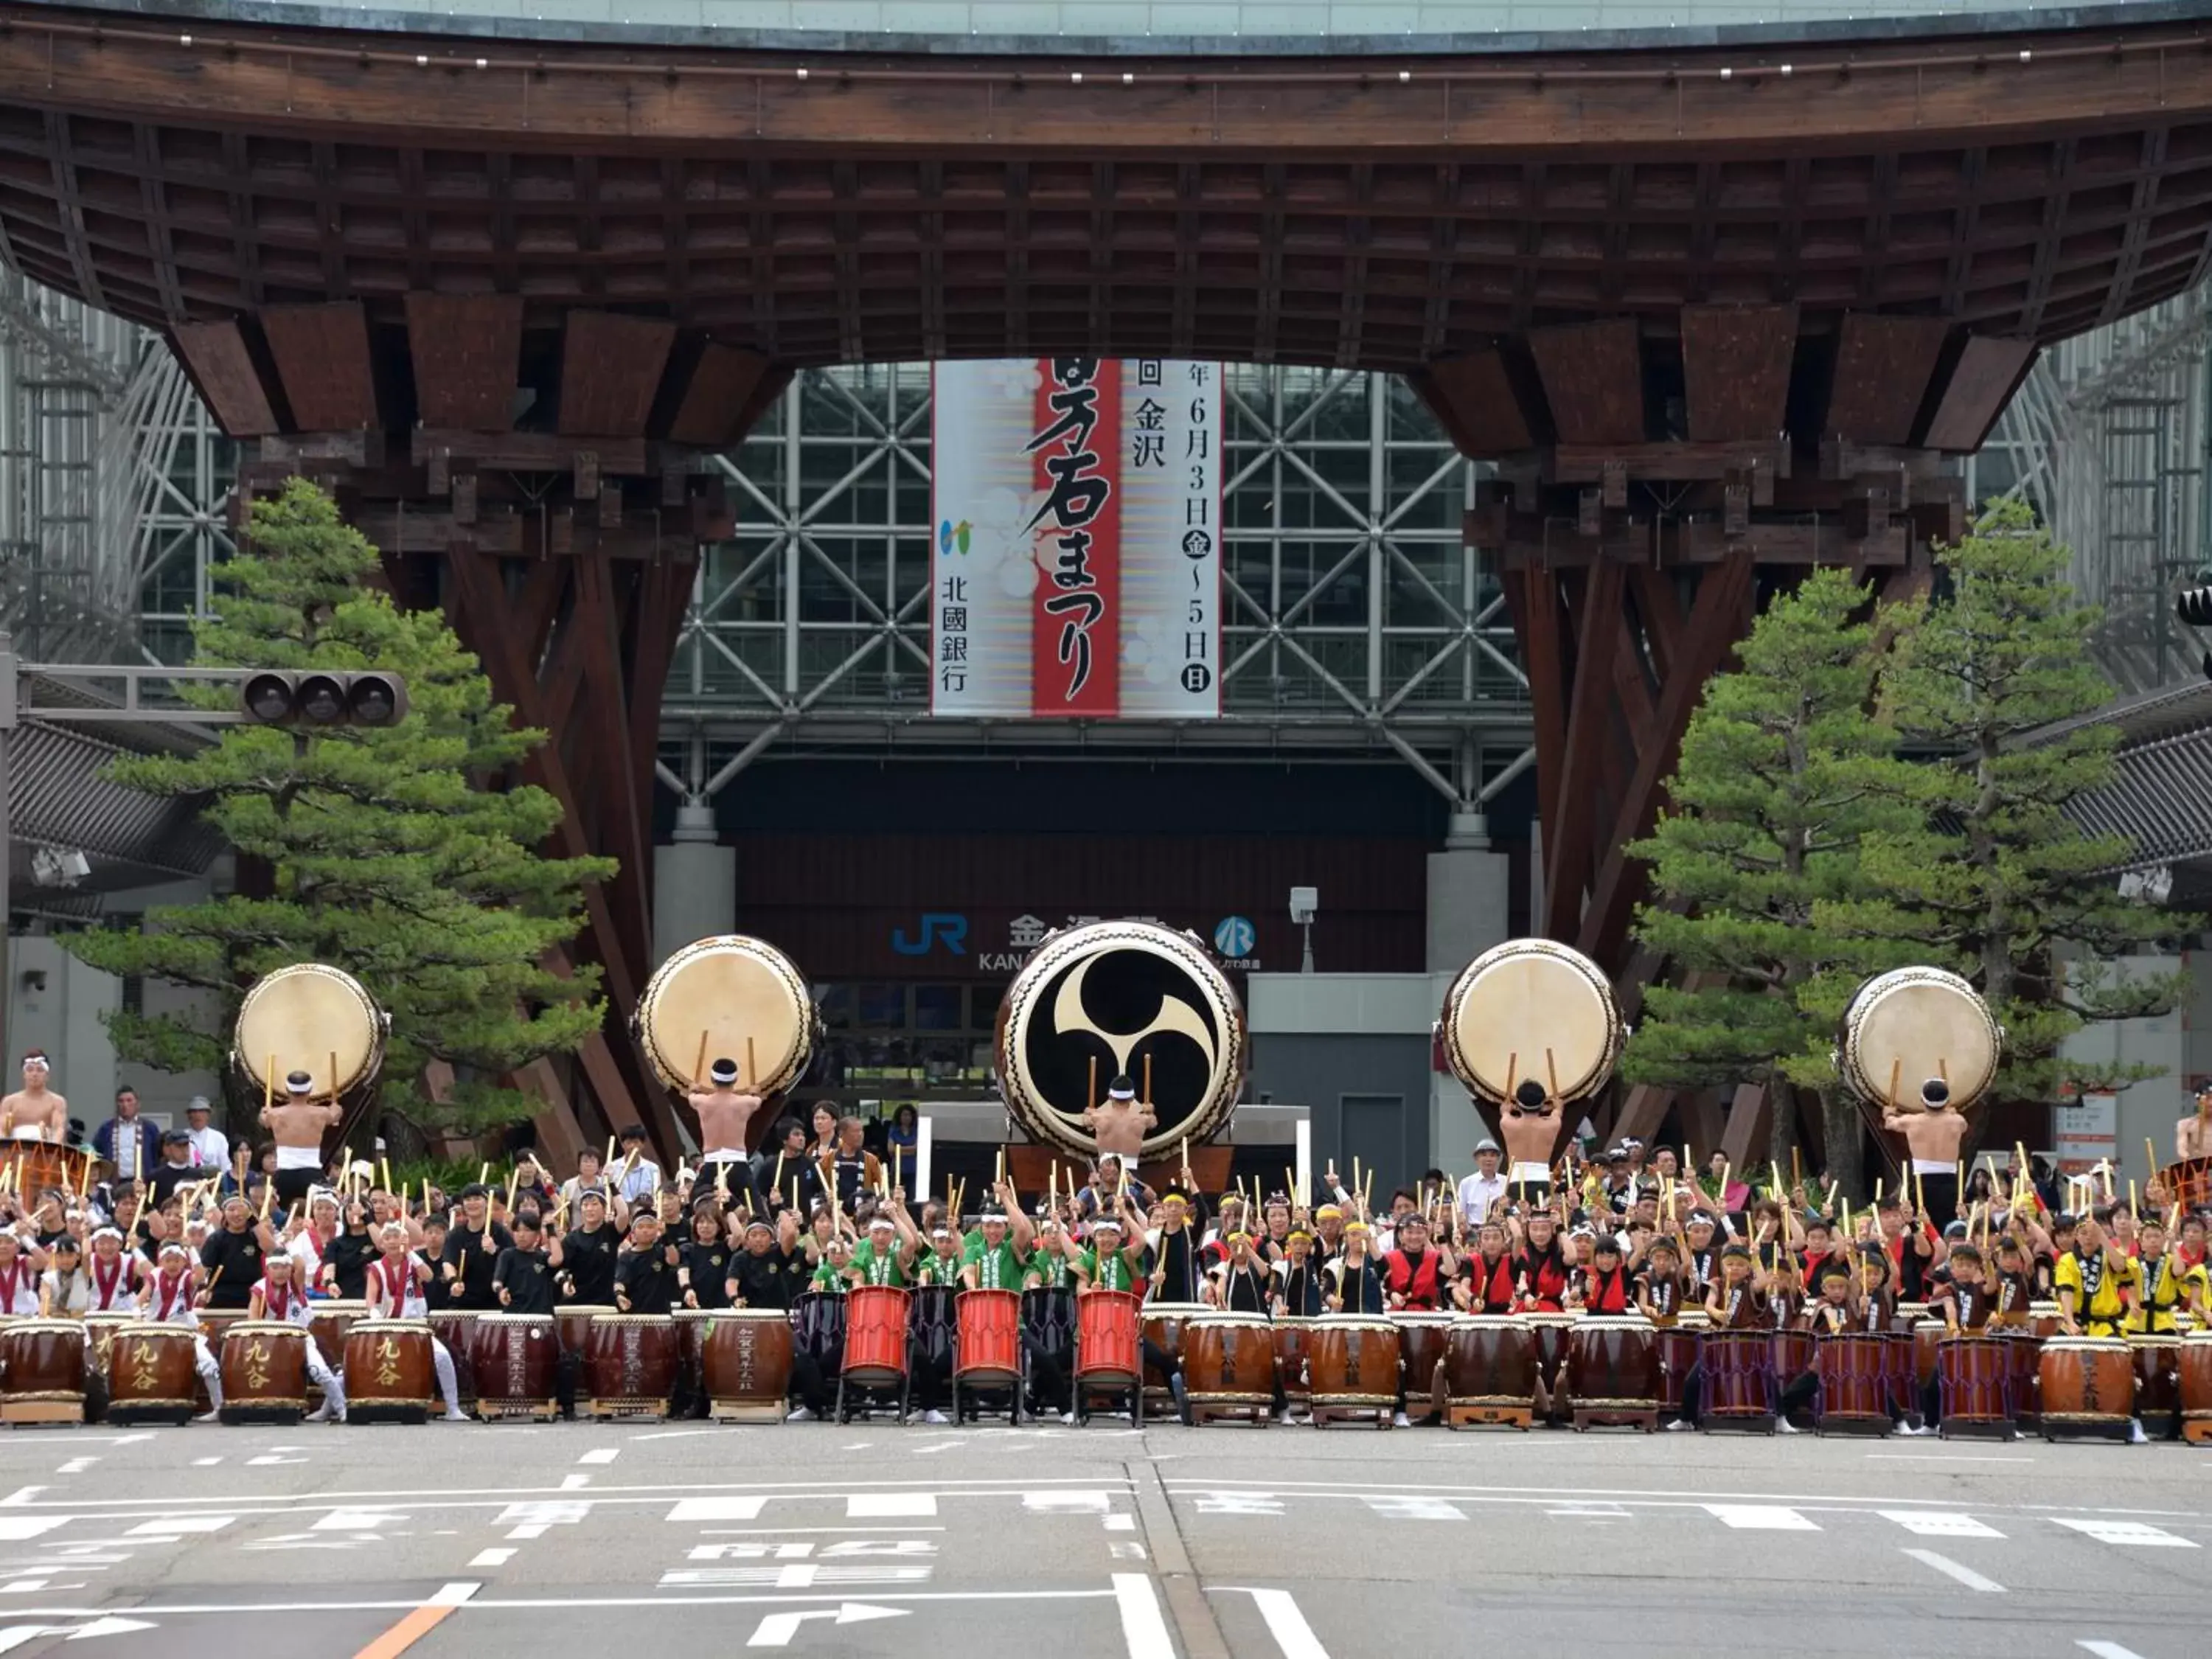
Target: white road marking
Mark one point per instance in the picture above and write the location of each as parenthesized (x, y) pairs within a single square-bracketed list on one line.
[(1065, 1503), (2125, 1532), (356, 1521), (795, 1576), (1950, 1569), (1120, 1523), (1590, 1512), (21, 1495), (1760, 1517), (15, 1527), (1239, 1502), (942, 1445), (718, 1509), (575, 1482), (184, 1523), (1936, 1524), (1939, 1458), (1285, 1623), (269, 1460), (780, 1532), (76, 1465), (452, 1595), (1144, 1626), (602, 1454), (543, 1604), (1126, 1551), (2109, 1650), (891, 1505), (205, 1462), (1416, 1509), (778, 1628), (524, 1534), (493, 1558)]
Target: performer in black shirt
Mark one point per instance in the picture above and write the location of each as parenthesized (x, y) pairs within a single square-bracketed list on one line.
[(1240, 1284), (1177, 1273), (704, 1276), (585, 1258), (234, 1256), (347, 1257), (522, 1274), (471, 1252), (645, 1279), (771, 1271)]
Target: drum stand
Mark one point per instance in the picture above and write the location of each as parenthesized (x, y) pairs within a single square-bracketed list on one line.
[(1129, 1394), (1480, 1411), (1027, 1389), (967, 1407), (867, 1399)]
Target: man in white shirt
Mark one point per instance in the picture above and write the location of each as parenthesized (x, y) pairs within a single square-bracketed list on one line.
[(1485, 1188), (636, 1175), (210, 1146)]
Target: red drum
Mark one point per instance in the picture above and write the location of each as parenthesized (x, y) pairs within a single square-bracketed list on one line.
[(1292, 1333), (1354, 1364), (988, 1351), (1422, 1340), (1163, 1325), (152, 1370), (574, 1324), (264, 1371), (2158, 1382), (2087, 1385), (1975, 1376), (875, 1335), (1794, 1353), (1613, 1371), (1106, 1345), (456, 1329), (388, 1371), (630, 1363), (746, 1367), (515, 1359), (1855, 1369), (1739, 1380), (1229, 1364), (2190, 1182), (1490, 1370), (2195, 1387)]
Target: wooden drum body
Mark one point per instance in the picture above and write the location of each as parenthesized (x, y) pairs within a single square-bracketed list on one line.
[(1228, 1366), (32, 1167), (1293, 1332), (572, 1325), (2194, 1386), (264, 1371), (631, 1362), (456, 1327), (2190, 1182), (1855, 1369), (1107, 1354), (1423, 1339), (301, 1018), (1678, 1354), (1164, 1323), (744, 997), (1352, 1363), (875, 1335), (515, 1360), (1531, 1008), (1613, 1371), (1974, 1376), (1738, 1379), (818, 1329), (328, 1324), (988, 1349), (43, 1363), (745, 1367), (2087, 1387), (1489, 1371), (2025, 1348), (389, 1371), (2158, 1382)]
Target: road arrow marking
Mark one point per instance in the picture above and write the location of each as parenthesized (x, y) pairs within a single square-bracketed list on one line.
[(778, 1628)]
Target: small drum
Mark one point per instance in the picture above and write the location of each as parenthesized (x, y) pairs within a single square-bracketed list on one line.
[(1049, 1318), (1164, 1322), (1106, 1342), (572, 1325), (298, 1020), (1531, 1008), (1352, 1362), (818, 1329), (456, 1329), (1928, 1337), (1855, 1369), (1975, 1377), (1909, 1025), (2087, 1386), (744, 997), (1613, 1371), (2195, 1383), (875, 1335), (2190, 1182), (1739, 1380), (1422, 1340), (989, 1349), (516, 1360), (1490, 1370), (630, 1363), (932, 1322), (2025, 1348), (1292, 1333), (31, 1167), (1795, 1352), (1229, 1364), (265, 1372), (2158, 1382), (1678, 1353), (153, 1373), (389, 1372), (2046, 1319), (745, 1366)]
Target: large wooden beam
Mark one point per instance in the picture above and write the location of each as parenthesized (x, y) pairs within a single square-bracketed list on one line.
[(1532, 595), (1569, 853)]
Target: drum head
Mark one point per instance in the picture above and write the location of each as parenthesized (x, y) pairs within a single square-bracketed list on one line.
[(1914, 1024), (1098, 1000), (727, 990), (301, 1015), (1529, 1008)]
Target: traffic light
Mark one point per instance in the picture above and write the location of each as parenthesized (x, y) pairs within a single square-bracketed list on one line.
[(316, 698)]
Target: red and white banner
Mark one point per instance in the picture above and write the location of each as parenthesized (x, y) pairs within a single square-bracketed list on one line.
[(1078, 564)]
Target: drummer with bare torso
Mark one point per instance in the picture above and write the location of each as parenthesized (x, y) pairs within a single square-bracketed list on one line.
[(725, 1117), (297, 1124), (2192, 1136), (1530, 1125), (34, 1112), (1120, 1123), (1933, 1135)]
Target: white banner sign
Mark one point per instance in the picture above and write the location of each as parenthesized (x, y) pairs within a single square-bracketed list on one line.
[(1078, 564)]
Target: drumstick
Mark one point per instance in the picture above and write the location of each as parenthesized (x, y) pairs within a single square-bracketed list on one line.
[(483, 1172), (1942, 1071), (1148, 1079), (1796, 1171), (2150, 1154), (334, 1074), (268, 1085), (699, 1065), (752, 1066), (1091, 1087), (1552, 1071), (1512, 1067)]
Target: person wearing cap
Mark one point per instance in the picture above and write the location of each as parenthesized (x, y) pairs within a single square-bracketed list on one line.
[(210, 1146), (473, 1242), (725, 1116), (34, 1112), (279, 1295), (1485, 1188), (297, 1123), (1119, 1123), (174, 1168)]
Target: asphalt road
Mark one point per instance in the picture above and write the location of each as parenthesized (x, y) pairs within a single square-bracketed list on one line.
[(486, 1541)]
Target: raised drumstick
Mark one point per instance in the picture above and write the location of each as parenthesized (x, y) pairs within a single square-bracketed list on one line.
[(752, 1066), (1896, 1070), (699, 1065), (1091, 1087), (1552, 1071), (1148, 1079)]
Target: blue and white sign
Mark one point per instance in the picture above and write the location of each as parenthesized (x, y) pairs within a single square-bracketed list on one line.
[(1234, 935)]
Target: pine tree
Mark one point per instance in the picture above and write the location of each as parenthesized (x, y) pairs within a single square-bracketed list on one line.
[(389, 860), (1784, 770), (1992, 873)]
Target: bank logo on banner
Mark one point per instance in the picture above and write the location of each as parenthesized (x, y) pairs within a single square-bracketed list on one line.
[(1076, 563)]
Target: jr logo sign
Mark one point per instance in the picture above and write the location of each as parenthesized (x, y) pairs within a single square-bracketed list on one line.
[(936, 929)]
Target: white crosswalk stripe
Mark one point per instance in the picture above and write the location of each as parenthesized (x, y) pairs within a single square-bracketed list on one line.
[(1760, 1517), (1239, 1502), (1936, 1523), (1416, 1509), (890, 1505), (2135, 1533)]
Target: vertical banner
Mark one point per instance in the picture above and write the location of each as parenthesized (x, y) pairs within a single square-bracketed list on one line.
[(1076, 565)]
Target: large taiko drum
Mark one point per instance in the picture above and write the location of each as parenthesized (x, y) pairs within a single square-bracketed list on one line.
[(1531, 1009), (1549, 1333), (1490, 1370), (264, 1371), (389, 1371), (456, 1327), (1739, 1378), (1854, 1369), (1292, 1333), (1105, 997), (1353, 1365), (99, 1330), (2158, 1382), (2195, 1382), (2025, 1348), (1613, 1371), (630, 1364), (1974, 1379), (42, 1362), (1678, 1356), (302, 1019), (2087, 1387), (1164, 1323), (876, 1336), (1911, 1025), (987, 1351), (745, 1366), (1229, 1362), (1107, 1351), (32, 1167), (729, 997), (515, 1359), (2190, 1182), (1422, 1340), (572, 1324), (153, 1373)]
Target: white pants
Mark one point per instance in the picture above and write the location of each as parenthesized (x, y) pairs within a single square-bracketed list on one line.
[(442, 1358), (203, 1361), (324, 1377)]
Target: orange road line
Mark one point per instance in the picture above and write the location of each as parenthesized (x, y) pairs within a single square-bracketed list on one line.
[(416, 1625)]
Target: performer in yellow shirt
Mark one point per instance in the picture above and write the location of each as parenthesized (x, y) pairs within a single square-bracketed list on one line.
[(2091, 1280), (2161, 1284)]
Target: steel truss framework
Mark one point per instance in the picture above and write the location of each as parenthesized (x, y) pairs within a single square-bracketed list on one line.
[(1356, 620)]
